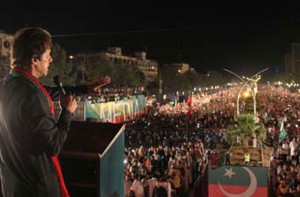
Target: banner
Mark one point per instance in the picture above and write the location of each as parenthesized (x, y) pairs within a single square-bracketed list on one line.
[(238, 181), (112, 169), (115, 111)]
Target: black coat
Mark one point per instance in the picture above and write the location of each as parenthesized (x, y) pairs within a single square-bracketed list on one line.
[(159, 192), (29, 136)]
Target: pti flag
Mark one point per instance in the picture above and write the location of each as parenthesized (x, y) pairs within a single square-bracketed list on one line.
[(189, 103), (282, 134), (238, 181)]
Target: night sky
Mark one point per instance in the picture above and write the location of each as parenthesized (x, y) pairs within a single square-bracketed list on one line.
[(244, 37)]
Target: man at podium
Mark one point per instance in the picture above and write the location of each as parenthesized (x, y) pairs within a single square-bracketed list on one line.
[(30, 138)]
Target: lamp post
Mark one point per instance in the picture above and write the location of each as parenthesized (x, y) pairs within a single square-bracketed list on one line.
[(252, 87), (238, 99)]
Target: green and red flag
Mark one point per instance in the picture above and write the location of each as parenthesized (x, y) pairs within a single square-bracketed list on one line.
[(189, 99), (189, 103), (238, 181), (282, 134)]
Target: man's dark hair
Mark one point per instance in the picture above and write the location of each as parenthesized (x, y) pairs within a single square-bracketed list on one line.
[(29, 43)]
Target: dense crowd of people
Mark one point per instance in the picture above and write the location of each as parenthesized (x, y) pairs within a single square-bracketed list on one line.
[(162, 144), (282, 122), (114, 93), (170, 149)]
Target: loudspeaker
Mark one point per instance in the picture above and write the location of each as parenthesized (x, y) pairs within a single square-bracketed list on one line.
[(92, 159)]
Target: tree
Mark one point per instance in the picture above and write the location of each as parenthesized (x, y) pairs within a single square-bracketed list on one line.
[(244, 129), (97, 68), (59, 66), (212, 78), (173, 80), (284, 77), (122, 74)]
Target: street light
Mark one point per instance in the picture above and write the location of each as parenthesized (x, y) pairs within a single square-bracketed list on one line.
[(246, 94), (239, 95), (252, 87)]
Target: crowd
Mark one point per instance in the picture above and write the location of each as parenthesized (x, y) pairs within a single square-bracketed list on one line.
[(168, 144), (169, 148), (115, 93), (166, 148), (282, 119)]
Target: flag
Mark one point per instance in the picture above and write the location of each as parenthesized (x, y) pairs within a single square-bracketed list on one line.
[(266, 118), (238, 181), (282, 134), (189, 99), (189, 103)]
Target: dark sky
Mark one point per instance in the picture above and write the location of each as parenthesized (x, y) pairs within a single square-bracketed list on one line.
[(244, 37)]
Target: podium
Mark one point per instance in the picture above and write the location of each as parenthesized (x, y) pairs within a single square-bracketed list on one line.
[(92, 159)]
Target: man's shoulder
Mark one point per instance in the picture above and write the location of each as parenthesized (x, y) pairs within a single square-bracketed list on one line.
[(17, 86)]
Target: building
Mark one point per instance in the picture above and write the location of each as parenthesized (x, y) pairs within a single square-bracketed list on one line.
[(292, 59), (115, 55), (288, 65), (5, 41), (179, 67), (148, 67)]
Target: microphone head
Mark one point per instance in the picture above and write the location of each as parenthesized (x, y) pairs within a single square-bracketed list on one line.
[(59, 84)]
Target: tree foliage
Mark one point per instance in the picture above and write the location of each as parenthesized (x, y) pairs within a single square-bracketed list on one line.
[(245, 128), (60, 66), (285, 78), (120, 73), (213, 78), (174, 81)]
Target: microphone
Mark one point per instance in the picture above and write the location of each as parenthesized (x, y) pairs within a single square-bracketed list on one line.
[(59, 84)]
